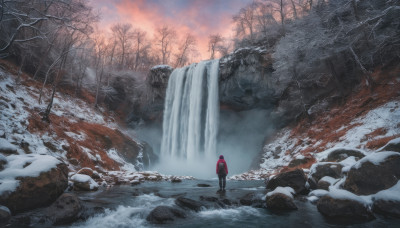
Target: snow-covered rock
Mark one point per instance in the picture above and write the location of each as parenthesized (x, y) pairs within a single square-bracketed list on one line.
[(84, 182), (281, 199), (387, 202), (373, 173), (32, 181), (344, 205)]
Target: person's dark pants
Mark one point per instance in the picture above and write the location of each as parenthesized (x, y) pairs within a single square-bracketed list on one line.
[(222, 181)]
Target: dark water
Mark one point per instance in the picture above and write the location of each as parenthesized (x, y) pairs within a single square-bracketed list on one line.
[(128, 206)]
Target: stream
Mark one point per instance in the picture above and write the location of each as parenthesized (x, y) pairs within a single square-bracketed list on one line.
[(128, 206)]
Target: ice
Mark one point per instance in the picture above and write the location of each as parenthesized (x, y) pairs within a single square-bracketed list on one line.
[(288, 191)]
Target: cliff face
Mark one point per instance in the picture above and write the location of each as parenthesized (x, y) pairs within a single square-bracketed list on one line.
[(247, 81)]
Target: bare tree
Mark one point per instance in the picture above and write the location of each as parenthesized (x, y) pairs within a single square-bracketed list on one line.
[(187, 46), (246, 21), (213, 42), (123, 34), (140, 42), (164, 38)]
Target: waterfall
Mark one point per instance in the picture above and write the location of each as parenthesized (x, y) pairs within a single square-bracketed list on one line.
[(191, 117)]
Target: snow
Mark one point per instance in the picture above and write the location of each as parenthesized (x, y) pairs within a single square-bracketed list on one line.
[(329, 179), (5, 145), (3, 158), (318, 193), (348, 163), (346, 195), (34, 165), (395, 141), (82, 178), (324, 154), (391, 194), (288, 191), (375, 158), (162, 67)]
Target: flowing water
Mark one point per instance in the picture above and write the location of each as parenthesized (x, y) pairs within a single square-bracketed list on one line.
[(191, 120), (128, 206)]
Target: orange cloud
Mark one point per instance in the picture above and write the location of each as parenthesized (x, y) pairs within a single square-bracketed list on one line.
[(198, 17)]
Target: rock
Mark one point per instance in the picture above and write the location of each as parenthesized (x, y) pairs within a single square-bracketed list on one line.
[(384, 207), (5, 216), (203, 185), (163, 214), (312, 184), (326, 169), (84, 183), (343, 208), (34, 192), (341, 154), (322, 184), (66, 209), (86, 171), (366, 178), (176, 180), (189, 203), (295, 179), (280, 202), (300, 161), (392, 145), (7, 148), (73, 161), (209, 198), (89, 172), (3, 162), (253, 200)]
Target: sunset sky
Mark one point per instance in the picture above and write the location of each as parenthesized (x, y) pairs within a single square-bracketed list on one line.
[(200, 17)]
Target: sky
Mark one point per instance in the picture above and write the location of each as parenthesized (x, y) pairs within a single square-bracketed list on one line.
[(199, 17)]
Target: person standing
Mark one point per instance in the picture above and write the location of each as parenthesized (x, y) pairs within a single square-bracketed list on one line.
[(222, 171)]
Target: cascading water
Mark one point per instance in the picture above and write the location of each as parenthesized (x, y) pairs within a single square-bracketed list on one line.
[(191, 118)]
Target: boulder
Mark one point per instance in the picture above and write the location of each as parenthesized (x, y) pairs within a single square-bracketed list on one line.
[(295, 179), (5, 216), (338, 155), (89, 172), (84, 182), (323, 185), (189, 204), (392, 145), (280, 202), (343, 208), (252, 199), (330, 169), (386, 207), (374, 173), (34, 192), (66, 209), (176, 180), (312, 184), (164, 214)]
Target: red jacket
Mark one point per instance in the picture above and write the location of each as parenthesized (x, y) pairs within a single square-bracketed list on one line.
[(223, 161)]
